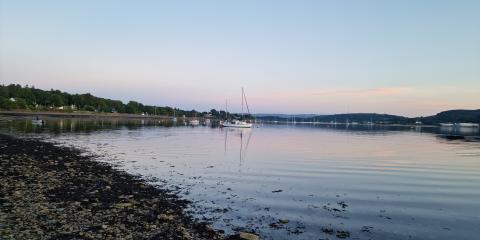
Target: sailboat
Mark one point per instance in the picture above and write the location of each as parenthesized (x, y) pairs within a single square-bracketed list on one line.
[(195, 121), (174, 119), (239, 123)]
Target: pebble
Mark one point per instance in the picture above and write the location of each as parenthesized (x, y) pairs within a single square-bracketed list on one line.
[(283, 221), (248, 236)]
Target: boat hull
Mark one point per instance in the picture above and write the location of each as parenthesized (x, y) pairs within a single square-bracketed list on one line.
[(38, 122), (233, 125), (471, 125), (194, 122)]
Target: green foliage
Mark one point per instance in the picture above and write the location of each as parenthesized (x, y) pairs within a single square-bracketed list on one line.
[(48, 100), (5, 103), (21, 103), (133, 107)]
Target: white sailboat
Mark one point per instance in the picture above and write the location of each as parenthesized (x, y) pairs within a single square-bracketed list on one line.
[(195, 121), (239, 123), (37, 121), (174, 119)]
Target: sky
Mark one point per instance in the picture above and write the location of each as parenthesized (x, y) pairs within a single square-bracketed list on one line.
[(411, 58)]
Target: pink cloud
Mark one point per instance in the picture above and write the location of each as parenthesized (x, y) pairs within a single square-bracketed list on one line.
[(388, 91)]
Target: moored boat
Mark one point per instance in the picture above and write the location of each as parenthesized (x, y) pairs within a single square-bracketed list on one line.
[(194, 122), (174, 119), (472, 125), (238, 123), (38, 121)]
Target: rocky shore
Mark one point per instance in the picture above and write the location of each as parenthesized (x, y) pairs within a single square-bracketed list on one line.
[(51, 192)]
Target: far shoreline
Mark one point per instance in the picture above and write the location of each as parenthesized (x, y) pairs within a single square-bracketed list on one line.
[(85, 115)]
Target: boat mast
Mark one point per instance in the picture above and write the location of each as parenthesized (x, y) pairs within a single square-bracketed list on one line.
[(242, 104), (246, 102), (226, 110)]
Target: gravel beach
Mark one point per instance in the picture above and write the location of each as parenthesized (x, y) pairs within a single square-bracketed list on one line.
[(51, 192)]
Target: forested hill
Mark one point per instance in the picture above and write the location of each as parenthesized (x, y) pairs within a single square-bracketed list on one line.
[(451, 116), (454, 116), (13, 97), (350, 117)]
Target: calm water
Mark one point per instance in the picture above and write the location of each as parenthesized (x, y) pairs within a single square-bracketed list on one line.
[(375, 183)]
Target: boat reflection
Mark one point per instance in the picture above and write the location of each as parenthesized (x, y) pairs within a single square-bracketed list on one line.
[(244, 134)]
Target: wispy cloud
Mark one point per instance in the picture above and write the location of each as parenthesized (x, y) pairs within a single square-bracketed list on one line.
[(387, 91)]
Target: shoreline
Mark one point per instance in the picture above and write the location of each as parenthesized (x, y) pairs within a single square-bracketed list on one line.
[(85, 115), (52, 192)]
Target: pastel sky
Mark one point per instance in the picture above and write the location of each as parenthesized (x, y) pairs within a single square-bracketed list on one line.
[(400, 57)]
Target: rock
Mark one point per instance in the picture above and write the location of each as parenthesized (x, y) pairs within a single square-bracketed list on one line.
[(328, 230), (248, 236), (343, 234), (123, 205), (44, 210), (283, 221), (165, 217)]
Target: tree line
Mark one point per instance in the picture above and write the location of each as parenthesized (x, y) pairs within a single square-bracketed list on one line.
[(15, 96)]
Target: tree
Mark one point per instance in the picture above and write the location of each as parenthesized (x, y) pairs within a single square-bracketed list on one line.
[(56, 100), (29, 97), (132, 107), (5, 103)]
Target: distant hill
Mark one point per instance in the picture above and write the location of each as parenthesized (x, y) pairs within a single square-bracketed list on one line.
[(351, 117), (281, 115), (453, 116), (363, 117)]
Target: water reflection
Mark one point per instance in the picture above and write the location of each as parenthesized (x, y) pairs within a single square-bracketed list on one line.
[(377, 182), (78, 125), (244, 134), (55, 125)]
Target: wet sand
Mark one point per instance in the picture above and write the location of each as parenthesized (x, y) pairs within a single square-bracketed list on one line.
[(51, 192)]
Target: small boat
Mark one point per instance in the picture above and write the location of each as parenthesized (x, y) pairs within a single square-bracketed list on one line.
[(194, 122), (174, 119), (238, 123), (37, 121), (472, 125), (446, 124)]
